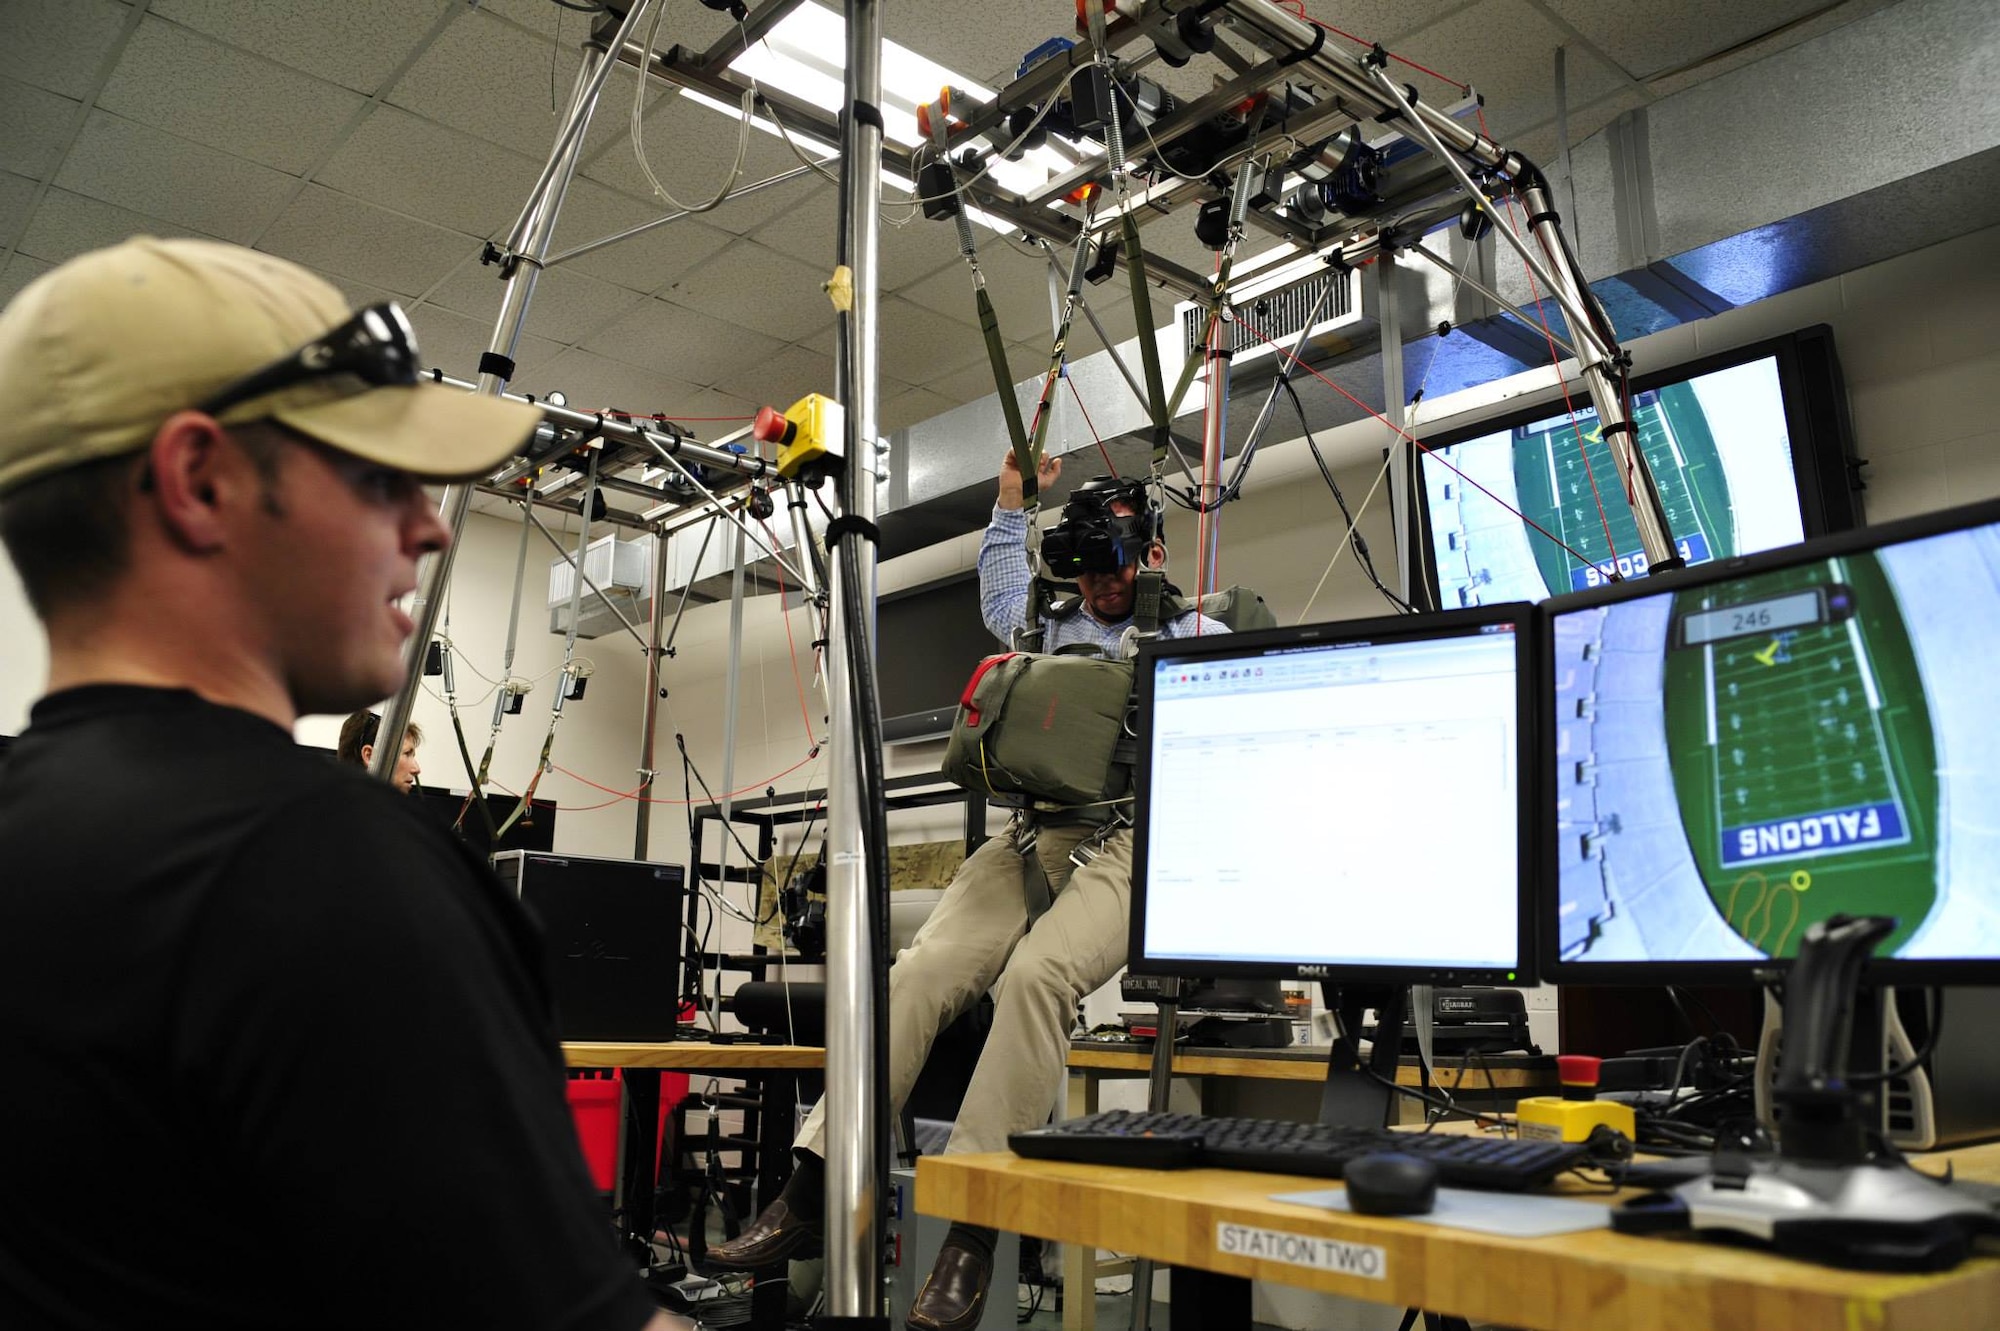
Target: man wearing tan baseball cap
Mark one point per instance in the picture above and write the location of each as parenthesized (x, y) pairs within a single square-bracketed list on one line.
[(222, 958)]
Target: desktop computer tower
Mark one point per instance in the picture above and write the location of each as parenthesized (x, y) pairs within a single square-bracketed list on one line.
[(611, 937), (914, 1241)]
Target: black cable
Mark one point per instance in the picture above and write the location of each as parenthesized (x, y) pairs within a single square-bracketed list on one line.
[(713, 803), (1918, 1059), (1361, 555)]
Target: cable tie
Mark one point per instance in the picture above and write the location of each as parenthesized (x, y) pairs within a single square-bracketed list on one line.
[(846, 523), (1546, 215), (437, 375), (492, 362), (1618, 427), (867, 113)]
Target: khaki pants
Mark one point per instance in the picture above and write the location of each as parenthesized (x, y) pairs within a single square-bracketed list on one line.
[(978, 934)]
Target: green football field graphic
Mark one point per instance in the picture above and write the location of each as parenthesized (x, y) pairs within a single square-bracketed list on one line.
[(1803, 751), (1554, 486)]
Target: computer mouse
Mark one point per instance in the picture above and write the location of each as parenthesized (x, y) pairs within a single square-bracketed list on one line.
[(1390, 1183)]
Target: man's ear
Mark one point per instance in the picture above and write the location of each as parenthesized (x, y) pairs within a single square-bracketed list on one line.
[(367, 755), (187, 464)]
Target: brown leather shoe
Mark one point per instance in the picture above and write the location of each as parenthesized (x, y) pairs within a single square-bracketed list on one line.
[(779, 1234), (954, 1298)]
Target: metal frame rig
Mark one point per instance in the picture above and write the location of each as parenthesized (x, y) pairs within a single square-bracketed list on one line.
[(1336, 156)]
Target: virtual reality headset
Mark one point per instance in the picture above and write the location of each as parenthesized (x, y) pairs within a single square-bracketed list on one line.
[(1091, 538)]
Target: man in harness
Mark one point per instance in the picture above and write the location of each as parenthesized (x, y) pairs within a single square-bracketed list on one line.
[(1041, 909)]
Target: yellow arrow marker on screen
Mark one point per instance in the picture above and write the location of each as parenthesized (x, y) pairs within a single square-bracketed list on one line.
[(1769, 656)]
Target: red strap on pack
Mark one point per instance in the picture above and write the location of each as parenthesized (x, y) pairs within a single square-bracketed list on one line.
[(972, 685)]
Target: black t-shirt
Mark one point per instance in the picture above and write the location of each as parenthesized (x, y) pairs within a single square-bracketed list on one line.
[(276, 1051)]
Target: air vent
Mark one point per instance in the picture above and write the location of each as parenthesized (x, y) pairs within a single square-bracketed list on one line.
[(1278, 314)]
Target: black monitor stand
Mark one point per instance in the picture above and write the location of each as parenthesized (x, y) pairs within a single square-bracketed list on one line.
[(1356, 1095)]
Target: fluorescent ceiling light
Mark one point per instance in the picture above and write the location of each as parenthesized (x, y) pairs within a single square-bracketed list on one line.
[(804, 56)]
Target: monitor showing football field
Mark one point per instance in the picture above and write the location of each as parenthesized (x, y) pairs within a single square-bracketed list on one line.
[(1761, 747), (1720, 453)]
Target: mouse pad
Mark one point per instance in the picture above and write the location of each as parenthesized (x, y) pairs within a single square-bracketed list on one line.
[(1515, 1214)]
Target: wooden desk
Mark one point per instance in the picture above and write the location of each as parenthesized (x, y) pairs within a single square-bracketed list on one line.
[(694, 1056), (777, 1064), (1304, 1066), (1571, 1282)]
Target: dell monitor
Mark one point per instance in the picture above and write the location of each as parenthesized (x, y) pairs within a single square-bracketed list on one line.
[(1750, 450), (1339, 802), (1733, 752)]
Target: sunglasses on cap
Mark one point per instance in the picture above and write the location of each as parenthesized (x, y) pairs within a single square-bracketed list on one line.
[(376, 346)]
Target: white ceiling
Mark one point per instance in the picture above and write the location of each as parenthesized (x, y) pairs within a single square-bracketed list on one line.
[(381, 141)]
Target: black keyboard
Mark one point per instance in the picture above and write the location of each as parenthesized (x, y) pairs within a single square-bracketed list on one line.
[(1270, 1146)]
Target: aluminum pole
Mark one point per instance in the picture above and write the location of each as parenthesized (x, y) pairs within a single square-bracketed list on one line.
[(435, 573), (855, 1151), (1615, 425), (1214, 436), (649, 715), (1403, 455), (583, 100), (732, 697)]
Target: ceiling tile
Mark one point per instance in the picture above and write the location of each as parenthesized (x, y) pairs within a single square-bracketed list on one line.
[(647, 262), (66, 225), (691, 150), (538, 15), (780, 378), (359, 294), (758, 288), (910, 406), (356, 43), (1381, 20), (710, 413), (681, 344), (433, 173), (920, 247), (597, 383), (59, 45), (964, 385), (17, 200), (37, 124), (177, 80), (1506, 49), (356, 240), (454, 342), (1652, 39), (493, 80), (1017, 284), (20, 270), (138, 167), (802, 220), (918, 345), (567, 306)]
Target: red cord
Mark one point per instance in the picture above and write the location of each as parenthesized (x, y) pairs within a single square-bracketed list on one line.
[(1427, 449), (1298, 9), (1095, 437)]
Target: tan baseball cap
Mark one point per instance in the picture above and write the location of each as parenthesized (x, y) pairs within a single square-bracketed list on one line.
[(96, 354)]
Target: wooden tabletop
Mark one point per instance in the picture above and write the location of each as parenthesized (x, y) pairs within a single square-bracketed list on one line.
[(1572, 1282), (1308, 1063), (692, 1055)]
